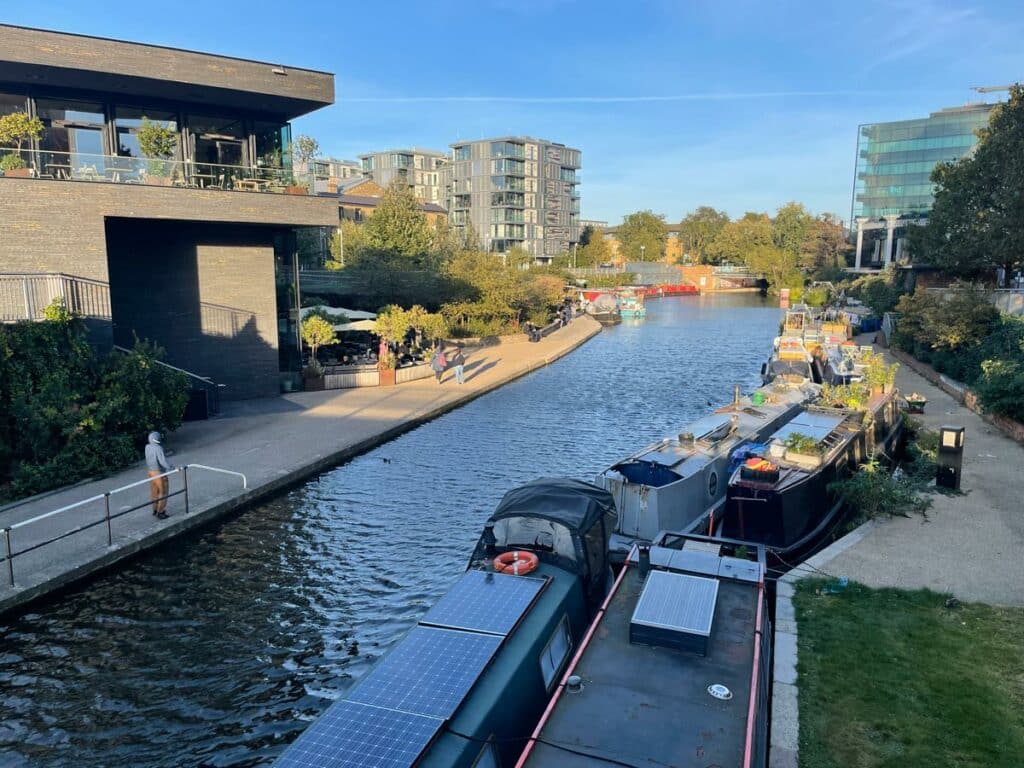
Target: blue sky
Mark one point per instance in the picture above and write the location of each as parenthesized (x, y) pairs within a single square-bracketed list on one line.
[(739, 105)]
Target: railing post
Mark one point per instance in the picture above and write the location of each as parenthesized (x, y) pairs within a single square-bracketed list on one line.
[(106, 514), (10, 555), (184, 478)]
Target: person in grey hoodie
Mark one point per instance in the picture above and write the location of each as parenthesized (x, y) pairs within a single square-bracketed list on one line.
[(157, 464)]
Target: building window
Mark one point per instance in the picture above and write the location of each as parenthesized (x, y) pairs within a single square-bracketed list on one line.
[(218, 141), (463, 153), (367, 164), (75, 127), (556, 653), (128, 120), (507, 149)]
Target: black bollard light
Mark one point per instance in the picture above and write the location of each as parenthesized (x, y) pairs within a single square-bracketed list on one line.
[(644, 559), (950, 457)]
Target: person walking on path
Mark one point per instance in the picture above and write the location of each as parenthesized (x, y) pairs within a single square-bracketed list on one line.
[(157, 464), (459, 361), (438, 362)]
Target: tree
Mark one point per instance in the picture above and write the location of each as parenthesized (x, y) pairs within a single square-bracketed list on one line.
[(977, 220), (738, 238), (778, 265), (827, 243), (791, 230), (316, 332), (15, 129), (642, 236), (698, 229), (346, 244), (306, 148), (588, 233), (398, 226), (597, 251)]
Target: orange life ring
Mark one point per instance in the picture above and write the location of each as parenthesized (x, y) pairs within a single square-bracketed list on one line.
[(516, 562)]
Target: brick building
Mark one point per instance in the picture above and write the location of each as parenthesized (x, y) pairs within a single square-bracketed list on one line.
[(186, 248)]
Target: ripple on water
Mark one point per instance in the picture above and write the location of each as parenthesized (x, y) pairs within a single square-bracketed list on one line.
[(218, 649)]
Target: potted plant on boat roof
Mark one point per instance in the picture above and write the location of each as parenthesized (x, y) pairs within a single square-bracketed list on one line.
[(803, 450), (15, 129), (158, 143), (315, 332), (391, 325)]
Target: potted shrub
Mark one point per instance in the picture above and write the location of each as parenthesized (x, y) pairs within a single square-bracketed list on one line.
[(803, 450), (391, 325), (315, 332), (15, 129), (158, 143), (293, 187)]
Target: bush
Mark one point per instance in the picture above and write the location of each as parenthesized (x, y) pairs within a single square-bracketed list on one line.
[(872, 491), (66, 414), (879, 292), (1000, 388)]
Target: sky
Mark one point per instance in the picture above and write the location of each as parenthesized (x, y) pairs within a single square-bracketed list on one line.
[(741, 105)]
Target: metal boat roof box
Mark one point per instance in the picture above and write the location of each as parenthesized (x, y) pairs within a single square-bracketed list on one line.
[(675, 610)]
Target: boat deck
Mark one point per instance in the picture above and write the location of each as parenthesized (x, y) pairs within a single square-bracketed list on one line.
[(644, 705)]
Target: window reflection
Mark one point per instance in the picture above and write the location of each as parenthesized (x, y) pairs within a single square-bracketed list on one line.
[(128, 120)]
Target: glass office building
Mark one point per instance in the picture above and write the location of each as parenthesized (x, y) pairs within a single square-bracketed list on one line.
[(895, 160)]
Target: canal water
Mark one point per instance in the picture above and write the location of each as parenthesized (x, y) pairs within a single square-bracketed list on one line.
[(219, 648)]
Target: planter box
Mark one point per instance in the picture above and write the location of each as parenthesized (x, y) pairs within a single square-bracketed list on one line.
[(296, 191), (19, 173), (314, 383), (387, 377), (804, 460)]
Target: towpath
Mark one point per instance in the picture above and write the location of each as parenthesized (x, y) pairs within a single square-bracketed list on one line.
[(275, 442), (969, 545)]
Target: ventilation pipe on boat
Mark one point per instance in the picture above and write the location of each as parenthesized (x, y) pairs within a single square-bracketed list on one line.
[(490, 541), (736, 395), (686, 438), (644, 559)]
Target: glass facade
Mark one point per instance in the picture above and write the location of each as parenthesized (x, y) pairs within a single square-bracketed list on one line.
[(895, 160)]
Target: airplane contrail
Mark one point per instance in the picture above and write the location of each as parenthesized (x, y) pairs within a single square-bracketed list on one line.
[(720, 96)]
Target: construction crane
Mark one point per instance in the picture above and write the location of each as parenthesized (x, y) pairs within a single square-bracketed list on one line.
[(992, 88)]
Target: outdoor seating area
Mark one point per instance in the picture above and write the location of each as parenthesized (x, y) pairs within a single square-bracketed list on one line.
[(77, 166)]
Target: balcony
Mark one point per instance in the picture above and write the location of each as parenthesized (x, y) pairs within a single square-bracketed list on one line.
[(507, 216), (79, 166), (508, 149)]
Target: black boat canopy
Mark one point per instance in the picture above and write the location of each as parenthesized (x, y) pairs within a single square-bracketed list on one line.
[(573, 503)]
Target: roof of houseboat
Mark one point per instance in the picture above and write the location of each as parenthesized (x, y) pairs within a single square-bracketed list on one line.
[(573, 502), (644, 704)]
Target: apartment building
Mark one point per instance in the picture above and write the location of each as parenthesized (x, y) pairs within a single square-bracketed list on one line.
[(516, 191), (420, 168), (182, 245), (325, 175)]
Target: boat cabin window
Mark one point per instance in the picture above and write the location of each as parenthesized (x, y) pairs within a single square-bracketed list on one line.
[(536, 534), (556, 653), (487, 757)]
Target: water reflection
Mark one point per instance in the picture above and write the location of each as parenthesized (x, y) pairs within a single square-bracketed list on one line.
[(218, 649)]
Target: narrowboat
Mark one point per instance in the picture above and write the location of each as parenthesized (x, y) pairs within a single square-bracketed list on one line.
[(669, 484), (631, 305), (779, 495), (470, 681), (674, 671), (790, 362), (604, 307)]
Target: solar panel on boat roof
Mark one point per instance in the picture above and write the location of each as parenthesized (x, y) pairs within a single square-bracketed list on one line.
[(485, 602), (815, 425), (677, 601), (350, 735), (429, 672)]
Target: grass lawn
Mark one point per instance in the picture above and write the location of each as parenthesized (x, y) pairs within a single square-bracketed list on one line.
[(895, 678)]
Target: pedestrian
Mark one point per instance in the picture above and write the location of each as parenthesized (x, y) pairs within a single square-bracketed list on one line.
[(157, 465), (438, 362), (459, 360)]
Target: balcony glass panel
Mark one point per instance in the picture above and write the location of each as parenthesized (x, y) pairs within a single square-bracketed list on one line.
[(463, 153), (508, 166), (128, 121), (507, 149), (512, 199), (273, 144)]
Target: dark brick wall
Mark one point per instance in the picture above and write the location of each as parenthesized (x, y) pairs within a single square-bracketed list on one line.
[(204, 292)]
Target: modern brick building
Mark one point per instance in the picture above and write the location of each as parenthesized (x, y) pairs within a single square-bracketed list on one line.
[(327, 174), (192, 248), (516, 191), (420, 168)]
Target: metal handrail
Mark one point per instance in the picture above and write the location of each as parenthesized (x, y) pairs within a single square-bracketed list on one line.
[(204, 379), (10, 554)]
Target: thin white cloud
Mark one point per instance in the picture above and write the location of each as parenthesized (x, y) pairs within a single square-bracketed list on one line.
[(713, 96)]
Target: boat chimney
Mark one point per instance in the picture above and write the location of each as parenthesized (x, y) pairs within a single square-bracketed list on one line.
[(644, 558), (686, 438), (490, 542)]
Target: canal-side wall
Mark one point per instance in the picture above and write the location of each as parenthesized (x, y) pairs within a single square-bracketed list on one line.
[(277, 443)]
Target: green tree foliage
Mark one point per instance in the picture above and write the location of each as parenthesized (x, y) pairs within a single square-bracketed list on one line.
[(345, 245), (879, 292), (305, 148), (977, 221), (792, 232), (316, 331), (589, 233), (642, 236), (15, 129), (66, 414), (597, 251), (698, 230), (155, 140), (827, 246), (738, 238), (397, 226)]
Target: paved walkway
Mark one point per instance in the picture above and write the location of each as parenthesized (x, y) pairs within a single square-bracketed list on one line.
[(969, 545), (274, 441)]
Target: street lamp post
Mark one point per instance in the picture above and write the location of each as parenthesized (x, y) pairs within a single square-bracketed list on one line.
[(643, 250)]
